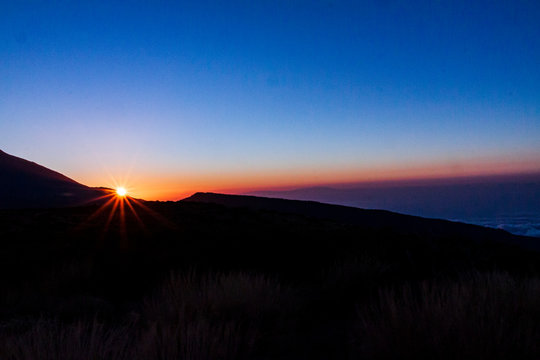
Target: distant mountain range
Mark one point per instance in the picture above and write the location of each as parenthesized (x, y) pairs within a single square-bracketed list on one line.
[(25, 184), (509, 203), (504, 203), (374, 220)]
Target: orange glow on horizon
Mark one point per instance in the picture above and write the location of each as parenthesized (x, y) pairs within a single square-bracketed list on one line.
[(118, 206), (178, 185)]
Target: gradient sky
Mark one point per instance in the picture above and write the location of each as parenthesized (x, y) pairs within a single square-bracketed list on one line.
[(175, 97)]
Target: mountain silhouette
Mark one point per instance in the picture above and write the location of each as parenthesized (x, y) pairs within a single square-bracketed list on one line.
[(311, 280), (25, 184), (511, 202), (368, 219)]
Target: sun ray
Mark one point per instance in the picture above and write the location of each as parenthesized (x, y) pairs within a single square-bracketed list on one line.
[(134, 212), (154, 214), (123, 233), (110, 194), (118, 208), (111, 215), (97, 212), (107, 193)]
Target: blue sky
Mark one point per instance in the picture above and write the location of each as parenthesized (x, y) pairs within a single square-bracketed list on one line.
[(222, 90)]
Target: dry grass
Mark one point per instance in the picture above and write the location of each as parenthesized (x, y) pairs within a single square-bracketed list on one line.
[(241, 316), (218, 316), (482, 316), (215, 295), (215, 316), (51, 340), (365, 272)]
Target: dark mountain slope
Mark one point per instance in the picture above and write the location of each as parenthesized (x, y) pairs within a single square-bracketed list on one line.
[(25, 184), (369, 219), (199, 264), (471, 198), (509, 202)]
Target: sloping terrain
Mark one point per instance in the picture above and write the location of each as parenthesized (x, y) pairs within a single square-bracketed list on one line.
[(25, 184), (510, 202), (368, 219), (227, 277), (218, 276)]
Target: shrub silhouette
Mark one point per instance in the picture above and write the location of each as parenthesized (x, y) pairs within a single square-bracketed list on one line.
[(192, 317), (482, 316)]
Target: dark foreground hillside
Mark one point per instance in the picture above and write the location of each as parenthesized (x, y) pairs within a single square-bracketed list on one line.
[(220, 277), (25, 184)]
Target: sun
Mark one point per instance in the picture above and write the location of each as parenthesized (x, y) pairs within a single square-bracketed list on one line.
[(121, 191)]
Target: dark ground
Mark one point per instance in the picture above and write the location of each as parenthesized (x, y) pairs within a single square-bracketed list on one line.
[(224, 277)]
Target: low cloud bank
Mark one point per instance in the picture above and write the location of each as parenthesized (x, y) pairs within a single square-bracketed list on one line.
[(519, 225), (522, 229)]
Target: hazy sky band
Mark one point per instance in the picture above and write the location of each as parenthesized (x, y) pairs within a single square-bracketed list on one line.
[(231, 91)]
